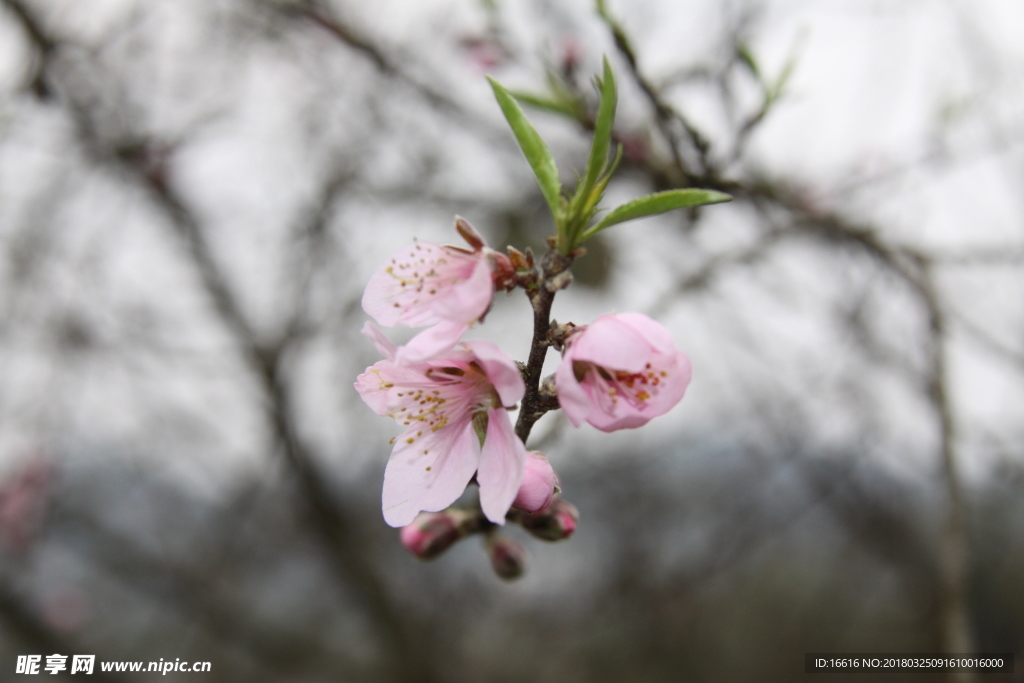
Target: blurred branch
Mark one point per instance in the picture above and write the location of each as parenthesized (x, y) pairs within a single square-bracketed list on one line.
[(195, 592), (915, 269), (21, 622), (1014, 357), (43, 44), (712, 267), (334, 525), (909, 265), (665, 113), (321, 15)]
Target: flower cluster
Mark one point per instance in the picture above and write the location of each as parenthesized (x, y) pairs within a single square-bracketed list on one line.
[(452, 397)]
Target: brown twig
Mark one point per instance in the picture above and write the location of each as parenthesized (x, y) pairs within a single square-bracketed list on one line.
[(665, 113), (550, 276)]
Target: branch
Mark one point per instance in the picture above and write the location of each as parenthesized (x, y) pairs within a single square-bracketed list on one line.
[(552, 276), (44, 45), (334, 524), (664, 112)]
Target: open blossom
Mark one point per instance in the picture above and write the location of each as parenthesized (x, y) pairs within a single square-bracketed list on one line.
[(447, 287), (619, 372), (454, 411)]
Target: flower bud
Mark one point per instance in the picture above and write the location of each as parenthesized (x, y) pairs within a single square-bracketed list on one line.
[(555, 523), (508, 558), (503, 271), (517, 259), (538, 487), (430, 534)]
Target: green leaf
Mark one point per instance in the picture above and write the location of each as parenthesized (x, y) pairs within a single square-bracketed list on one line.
[(746, 57), (602, 129), (536, 152), (654, 204), (555, 105), (775, 91)]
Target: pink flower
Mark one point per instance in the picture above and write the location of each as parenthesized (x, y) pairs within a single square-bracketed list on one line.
[(453, 408), (619, 372), (447, 287), (539, 482)]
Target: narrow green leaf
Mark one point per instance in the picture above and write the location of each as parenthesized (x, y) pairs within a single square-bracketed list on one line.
[(553, 104), (536, 152), (654, 204), (775, 91), (746, 57), (602, 129)]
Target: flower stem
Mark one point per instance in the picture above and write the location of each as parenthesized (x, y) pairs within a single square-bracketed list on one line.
[(551, 276)]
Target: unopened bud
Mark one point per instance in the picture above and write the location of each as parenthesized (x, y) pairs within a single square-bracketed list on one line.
[(469, 233), (430, 534), (538, 487), (556, 523), (508, 558), (518, 258), (503, 273)]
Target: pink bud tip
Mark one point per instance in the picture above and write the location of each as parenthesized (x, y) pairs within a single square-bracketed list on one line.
[(538, 487), (430, 534), (508, 558), (556, 523)]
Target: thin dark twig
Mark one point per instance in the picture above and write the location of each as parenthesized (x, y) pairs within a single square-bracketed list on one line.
[(915, 269), (347, 35), (334, 524), (552, 275), (44, 45), (713, 267), (665, 113)]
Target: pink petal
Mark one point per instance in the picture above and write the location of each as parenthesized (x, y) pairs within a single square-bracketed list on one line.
[(380, 385), (653, 332), (622, 418), (430, 473), (379, 297), (407, 287), (383, 344), (572, 397), (467, 301), (538, 487), (612, 344), (373, 388), (673, 385), (431, 342), (501, 466), (500, 369)]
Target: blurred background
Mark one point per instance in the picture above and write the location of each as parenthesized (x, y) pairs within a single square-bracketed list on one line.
[(194, 192)]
